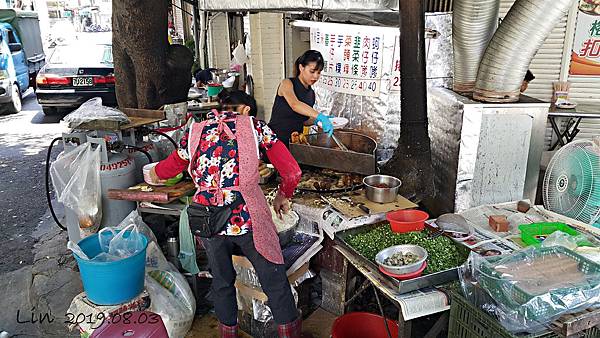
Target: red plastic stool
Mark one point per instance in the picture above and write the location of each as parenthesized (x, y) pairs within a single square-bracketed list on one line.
[(137, 324)]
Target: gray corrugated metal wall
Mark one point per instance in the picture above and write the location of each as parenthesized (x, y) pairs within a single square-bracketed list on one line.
[(438, 5)]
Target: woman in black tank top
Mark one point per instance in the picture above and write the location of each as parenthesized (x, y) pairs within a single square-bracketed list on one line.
[(293, 106)]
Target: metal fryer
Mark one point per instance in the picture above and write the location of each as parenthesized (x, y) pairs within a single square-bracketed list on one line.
[(322, 153)]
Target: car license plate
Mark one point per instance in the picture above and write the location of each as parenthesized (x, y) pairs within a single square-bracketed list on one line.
[(82, 82)]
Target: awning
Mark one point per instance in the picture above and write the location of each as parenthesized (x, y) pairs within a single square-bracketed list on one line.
[(298, 5)]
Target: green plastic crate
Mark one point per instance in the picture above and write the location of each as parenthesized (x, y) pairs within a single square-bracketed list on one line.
[(513, 297), (530, 232), (467, 321)]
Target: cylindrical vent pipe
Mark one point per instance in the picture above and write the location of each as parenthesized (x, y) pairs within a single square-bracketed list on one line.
[(473, 25), (513, 46)]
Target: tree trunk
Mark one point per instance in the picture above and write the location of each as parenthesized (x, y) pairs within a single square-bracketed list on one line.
[(149, 72), (411, 161)]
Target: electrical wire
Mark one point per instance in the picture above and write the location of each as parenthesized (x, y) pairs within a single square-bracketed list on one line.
[(48, 198)]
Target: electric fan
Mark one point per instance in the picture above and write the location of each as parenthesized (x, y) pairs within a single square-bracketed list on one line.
[(572, 182)]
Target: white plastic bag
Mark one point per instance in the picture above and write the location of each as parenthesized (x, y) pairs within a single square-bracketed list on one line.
[(239, 54), (105, 257), (124, 247), (559, 238), (172, 299), (135, 218), (93, 110), (76, 178), (77, 250), (105, 241), (156, 260), (118, 245)]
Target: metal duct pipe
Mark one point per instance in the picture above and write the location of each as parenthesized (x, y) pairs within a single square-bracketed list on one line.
[(473, 25), (515, 43)]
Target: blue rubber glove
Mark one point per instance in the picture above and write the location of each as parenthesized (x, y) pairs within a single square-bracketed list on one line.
[(324, 121)]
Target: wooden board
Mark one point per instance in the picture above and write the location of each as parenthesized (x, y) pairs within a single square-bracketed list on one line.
[(571, 324), (139, 121), (141, 117), (144, 113), (137, 118), (159, 194), (352, 209)]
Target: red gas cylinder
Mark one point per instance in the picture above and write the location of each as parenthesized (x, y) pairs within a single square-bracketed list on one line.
[(137, 324)]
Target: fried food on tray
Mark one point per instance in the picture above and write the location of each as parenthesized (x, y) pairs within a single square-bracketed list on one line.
[(328, 180), (298, 138)]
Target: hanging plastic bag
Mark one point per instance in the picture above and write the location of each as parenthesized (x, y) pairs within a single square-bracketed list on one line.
[(76, 178), (187, 248), (239, 54)]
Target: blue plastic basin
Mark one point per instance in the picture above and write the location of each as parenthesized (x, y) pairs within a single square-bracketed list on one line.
[(111, 283)]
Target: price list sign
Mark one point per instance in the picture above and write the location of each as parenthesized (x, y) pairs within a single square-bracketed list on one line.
[(395, 78), (352, 59)]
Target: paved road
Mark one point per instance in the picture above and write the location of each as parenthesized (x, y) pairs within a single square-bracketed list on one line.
[(24, 140)]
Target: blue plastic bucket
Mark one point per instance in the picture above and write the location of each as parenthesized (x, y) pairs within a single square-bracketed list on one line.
[(111, 283)]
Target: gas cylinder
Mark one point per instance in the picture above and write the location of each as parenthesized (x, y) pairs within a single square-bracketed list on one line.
[(118, 173), (141, 159)]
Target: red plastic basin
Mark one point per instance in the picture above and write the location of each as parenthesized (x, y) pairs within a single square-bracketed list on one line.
[(362, 325), (407, 220)]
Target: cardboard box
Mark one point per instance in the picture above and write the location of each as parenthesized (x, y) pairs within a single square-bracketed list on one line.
[(319, 323)]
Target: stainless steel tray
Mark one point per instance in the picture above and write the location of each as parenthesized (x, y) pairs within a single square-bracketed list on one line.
[(405, 286), (323, 154)]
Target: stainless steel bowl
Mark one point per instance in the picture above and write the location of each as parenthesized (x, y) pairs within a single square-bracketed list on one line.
[(381, 195), (404, 269)]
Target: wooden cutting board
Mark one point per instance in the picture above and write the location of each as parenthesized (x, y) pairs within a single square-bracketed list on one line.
[(351, 208), (159, 194)]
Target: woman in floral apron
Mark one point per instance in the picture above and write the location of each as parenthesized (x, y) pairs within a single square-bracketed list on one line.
[(222, 157)]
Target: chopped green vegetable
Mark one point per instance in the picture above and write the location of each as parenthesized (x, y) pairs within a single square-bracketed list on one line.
[(442, 252)]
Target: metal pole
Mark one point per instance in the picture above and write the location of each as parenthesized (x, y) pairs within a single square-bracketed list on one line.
[(387, 328), (203, 26), (196, 31)]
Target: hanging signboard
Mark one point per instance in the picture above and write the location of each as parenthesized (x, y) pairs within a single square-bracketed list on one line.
[(585, 57), (353, 58)]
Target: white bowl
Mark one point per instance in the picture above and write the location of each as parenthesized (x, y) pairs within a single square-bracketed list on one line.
[(339, 122), (146, 172), (567, 105)]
